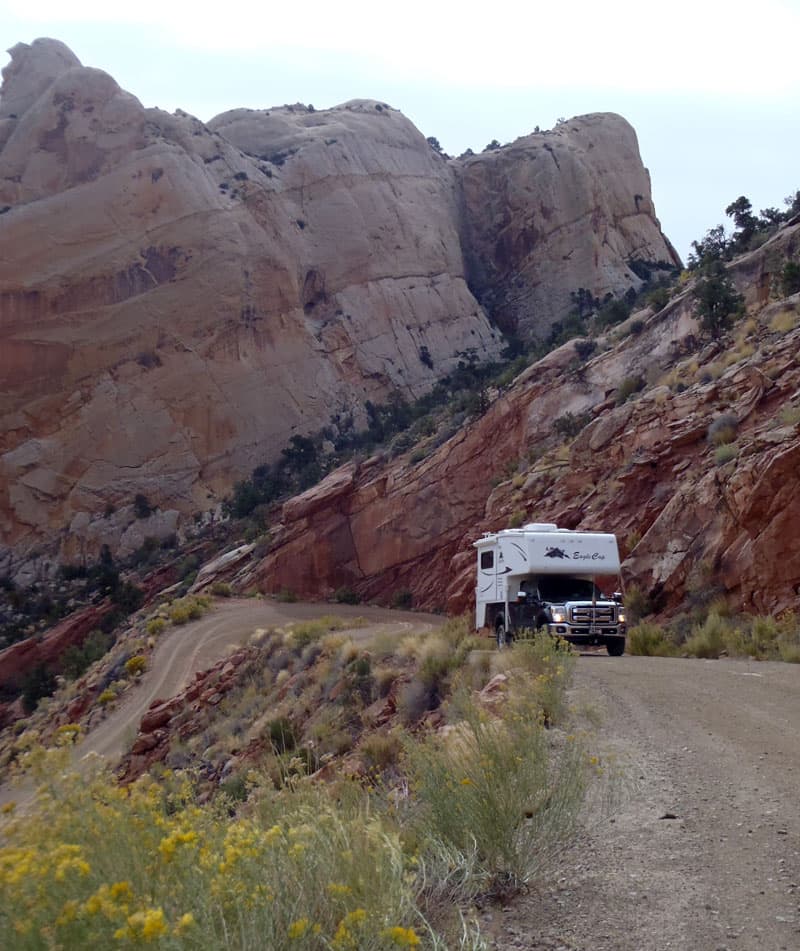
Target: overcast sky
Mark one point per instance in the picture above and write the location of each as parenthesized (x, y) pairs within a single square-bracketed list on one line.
[(711, 86)]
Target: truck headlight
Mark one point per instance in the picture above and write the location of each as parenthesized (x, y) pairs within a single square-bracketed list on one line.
[(559, 617), (621, 617)]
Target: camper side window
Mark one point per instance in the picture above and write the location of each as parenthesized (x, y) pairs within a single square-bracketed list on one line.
[(487, 560)]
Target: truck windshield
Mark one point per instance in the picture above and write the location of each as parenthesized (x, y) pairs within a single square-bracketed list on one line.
[(556, 589)]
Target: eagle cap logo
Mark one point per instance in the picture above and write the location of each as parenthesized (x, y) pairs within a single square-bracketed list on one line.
[(555, 553)]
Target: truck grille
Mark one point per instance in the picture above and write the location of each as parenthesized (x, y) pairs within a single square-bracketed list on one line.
[(590, 615)]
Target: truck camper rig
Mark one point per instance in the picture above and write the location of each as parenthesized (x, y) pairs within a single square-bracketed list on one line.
[(541, 577)]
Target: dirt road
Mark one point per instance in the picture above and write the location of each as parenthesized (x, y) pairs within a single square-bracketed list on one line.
[(184, 650), (702, 852), (198, 645)]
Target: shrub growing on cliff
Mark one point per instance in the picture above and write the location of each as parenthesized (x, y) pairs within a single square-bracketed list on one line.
[(723, 430), (570, 425), (790, 278), (39, 683), (77, 659), (155, 626), (141, 506), (716, 300), (724, 454), (626, 389)]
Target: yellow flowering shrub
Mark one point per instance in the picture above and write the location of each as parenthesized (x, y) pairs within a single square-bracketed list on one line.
[(304, 866), (106, 866)]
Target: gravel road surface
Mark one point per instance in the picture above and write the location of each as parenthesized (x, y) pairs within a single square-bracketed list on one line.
[(702, 850)]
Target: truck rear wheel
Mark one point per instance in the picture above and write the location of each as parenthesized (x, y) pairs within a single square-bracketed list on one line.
[(616, 647), (502, 635)]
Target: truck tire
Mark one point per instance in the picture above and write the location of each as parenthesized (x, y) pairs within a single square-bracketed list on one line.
[(616, 647), (502, 636)]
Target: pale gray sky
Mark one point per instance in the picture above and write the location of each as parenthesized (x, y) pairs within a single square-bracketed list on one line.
[(711, 86)]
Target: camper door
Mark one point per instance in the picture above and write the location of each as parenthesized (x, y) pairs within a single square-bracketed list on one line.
[(487, 589)]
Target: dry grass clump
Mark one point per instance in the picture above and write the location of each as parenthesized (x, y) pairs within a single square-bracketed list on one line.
[(790, 415), (304, 632), (493, 801), (783, 322), (381, 751)]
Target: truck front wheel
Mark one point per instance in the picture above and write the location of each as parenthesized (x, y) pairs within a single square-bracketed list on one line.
[(616, 647), (502, 635)]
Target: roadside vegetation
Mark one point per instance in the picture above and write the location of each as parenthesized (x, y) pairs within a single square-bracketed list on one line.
[(470, 801), (718, 633)]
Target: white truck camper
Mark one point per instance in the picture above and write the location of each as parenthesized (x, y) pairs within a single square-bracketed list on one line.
[(544, 577)]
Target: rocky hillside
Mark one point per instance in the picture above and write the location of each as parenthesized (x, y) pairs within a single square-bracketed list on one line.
[(178, 299), (686, 447)]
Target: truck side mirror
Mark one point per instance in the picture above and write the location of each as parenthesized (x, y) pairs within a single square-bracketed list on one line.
[(617, 597)]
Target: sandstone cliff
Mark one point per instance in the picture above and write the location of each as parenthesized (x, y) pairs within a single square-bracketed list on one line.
[(691, 523), (177, 300), (555, 211)]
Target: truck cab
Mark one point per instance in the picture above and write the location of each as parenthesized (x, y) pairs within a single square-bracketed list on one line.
[(542, 577)]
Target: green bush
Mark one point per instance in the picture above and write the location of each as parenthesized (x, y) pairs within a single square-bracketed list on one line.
[(151, 866), (629, 386), (637, 604), (155, 626), (381, 750), (790, 278), (141, 506), (614, 312), (517, 519), (403, 599), (39, 683), (658, 298), (711, 638), (187, 609), (650, 640), (724, 454), (716, 299), (570, 425), (345, 595), (77, 659)]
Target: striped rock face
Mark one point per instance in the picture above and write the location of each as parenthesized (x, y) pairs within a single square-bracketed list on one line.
[(178, 299)]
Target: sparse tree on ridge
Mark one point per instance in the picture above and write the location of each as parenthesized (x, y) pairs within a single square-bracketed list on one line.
[(716, 299)]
